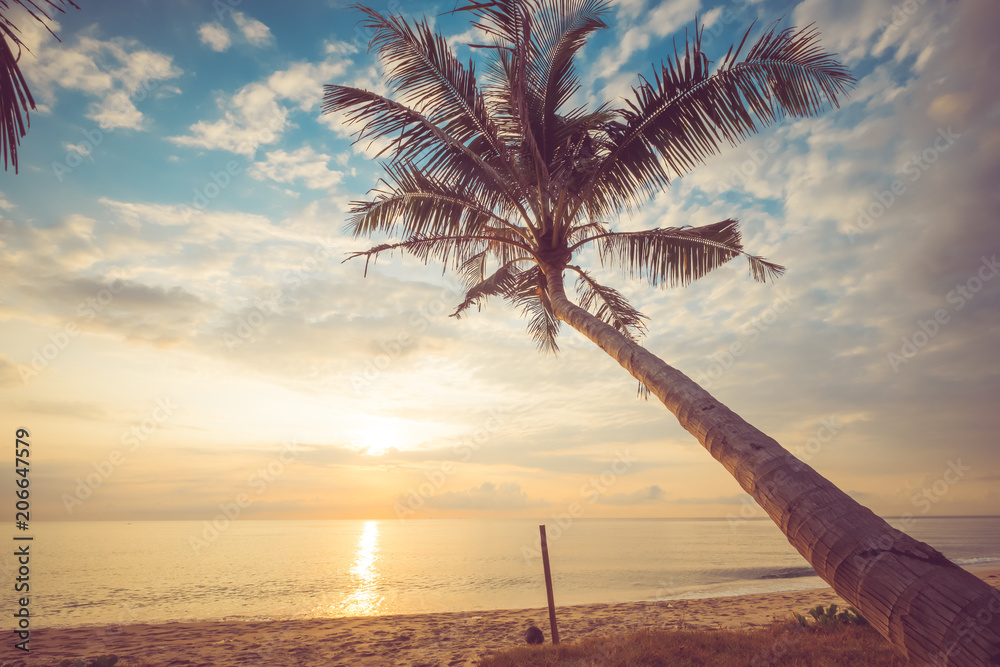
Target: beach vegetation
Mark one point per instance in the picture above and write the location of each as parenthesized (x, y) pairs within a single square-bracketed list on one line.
[(829, 618), (783, 643)]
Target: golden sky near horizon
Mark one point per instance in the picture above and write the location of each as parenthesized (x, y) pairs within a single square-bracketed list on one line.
[(179, 335)]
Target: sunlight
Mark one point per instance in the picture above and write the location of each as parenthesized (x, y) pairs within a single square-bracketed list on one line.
[(381, 435), (366, 599)]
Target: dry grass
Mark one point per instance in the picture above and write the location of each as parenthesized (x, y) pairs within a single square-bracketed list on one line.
[(784, 644)]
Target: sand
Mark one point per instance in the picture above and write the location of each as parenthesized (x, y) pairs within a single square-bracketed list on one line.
[(445, 639)]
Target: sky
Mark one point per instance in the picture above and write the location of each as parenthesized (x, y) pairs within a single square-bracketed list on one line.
[(181, 338)]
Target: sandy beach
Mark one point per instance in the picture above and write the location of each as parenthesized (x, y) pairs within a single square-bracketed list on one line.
[(445, 639)]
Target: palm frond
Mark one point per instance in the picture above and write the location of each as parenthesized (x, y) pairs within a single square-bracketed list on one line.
[(680, 118), (455, 249), (415, 202), (530, 295), (417, 140), (676, 256), (421, 67), (15, 97), (563, 30), (503, 282), (609, 305), (502, 20), (586, 231)]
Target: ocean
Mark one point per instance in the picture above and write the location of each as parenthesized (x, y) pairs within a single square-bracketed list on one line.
[(89, 573)]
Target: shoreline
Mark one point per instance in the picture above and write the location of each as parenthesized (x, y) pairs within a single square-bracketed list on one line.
[(443, 638)]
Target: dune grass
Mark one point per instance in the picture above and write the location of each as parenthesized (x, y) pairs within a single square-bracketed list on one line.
[(787, 644)]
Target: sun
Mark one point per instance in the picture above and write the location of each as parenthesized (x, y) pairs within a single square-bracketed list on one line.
[(380, 435)]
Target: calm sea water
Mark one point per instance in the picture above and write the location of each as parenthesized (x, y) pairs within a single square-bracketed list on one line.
[(151, 572)]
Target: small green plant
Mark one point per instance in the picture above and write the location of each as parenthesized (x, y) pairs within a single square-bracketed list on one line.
[(829, 618), (825, 618)]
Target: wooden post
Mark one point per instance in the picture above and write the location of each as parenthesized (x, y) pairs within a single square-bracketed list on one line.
[(548, 586)]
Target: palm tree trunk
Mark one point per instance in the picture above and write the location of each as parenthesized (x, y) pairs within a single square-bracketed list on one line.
[(925, 605)]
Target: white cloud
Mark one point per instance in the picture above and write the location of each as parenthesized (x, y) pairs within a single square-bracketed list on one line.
[(339, 48), (82, 149), (119, 72), (254, 115), (303, 82), (668, 16), (629, 9), (711, 17), (305, 164), (215, 36), (849, 27), (256, 32)]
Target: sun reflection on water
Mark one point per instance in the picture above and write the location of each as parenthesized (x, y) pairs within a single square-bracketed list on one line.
[(365, 600)]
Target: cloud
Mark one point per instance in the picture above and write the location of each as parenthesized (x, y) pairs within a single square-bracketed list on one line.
[(255, 116), (665, 19), (488, 497), (215, 36), (118, 72), (255, 32), (304, 164), (849, 27), (649, 494), (302, 82)]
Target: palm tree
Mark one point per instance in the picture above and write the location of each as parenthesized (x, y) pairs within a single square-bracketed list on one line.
[(506, 182), (15, 98)]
